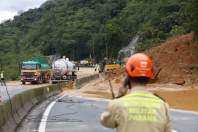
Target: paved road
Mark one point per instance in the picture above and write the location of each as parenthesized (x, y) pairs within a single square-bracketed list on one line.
[(76, 114), (15, 87), (185, 122)]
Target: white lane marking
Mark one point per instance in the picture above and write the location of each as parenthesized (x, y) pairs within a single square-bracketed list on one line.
[(42, 125), (175, 131), (43, 122)]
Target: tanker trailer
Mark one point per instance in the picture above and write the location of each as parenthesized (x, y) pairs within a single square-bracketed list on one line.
[(62, 70)]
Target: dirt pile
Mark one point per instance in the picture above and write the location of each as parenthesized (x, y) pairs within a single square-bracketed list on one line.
[(184, 99), (177, 60), (100, 88)]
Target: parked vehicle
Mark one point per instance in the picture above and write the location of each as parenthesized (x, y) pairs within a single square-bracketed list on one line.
[(63, 69), (34, 72)]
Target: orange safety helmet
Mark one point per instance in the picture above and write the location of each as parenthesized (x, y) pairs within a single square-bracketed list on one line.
[(139, 65)]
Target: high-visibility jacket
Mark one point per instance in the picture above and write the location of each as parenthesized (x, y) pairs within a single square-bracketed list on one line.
[(139, 111), (1, 75)]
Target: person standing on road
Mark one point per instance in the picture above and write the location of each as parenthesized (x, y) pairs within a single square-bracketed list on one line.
[(96, 68), (139, 111), (1, 75)]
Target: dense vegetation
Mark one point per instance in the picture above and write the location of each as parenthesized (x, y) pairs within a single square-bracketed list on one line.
[(97, 28)]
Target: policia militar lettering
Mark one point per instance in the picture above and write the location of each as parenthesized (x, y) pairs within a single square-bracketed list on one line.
[(139, 111)]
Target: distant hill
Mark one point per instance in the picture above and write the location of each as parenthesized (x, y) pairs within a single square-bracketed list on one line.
[(82, 28)]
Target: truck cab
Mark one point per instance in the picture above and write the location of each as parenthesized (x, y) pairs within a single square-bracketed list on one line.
[(34, 72)]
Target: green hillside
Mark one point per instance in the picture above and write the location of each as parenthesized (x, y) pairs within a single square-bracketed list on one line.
[(80, 28)]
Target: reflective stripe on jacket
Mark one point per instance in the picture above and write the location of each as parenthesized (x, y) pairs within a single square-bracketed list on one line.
[(140, 111)]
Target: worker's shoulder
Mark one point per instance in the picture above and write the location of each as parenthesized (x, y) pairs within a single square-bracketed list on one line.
[(142, 96)]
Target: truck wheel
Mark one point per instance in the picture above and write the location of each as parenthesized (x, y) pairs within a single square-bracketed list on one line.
[(64, 77), (73, 73), (74, 77), (40, 80), (47, 80), (23, 82)]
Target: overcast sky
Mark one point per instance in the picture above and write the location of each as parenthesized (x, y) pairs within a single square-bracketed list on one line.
[(10, 8)]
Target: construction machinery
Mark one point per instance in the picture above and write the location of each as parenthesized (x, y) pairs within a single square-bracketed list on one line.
[(112, 68), (115, 66), (62, 70), (34, 71), (109, 66)]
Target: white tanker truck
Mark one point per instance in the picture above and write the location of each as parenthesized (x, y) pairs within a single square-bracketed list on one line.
[(63, 69)]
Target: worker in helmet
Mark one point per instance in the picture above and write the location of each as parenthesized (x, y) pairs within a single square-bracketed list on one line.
[(139, 111)]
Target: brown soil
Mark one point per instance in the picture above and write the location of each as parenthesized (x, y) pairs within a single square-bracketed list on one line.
[(98, 88), (185, 99), (177, 60)]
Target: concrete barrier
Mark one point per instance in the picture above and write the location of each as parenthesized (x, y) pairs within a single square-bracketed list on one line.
[(12, 115), (80, 82), (12, 112)]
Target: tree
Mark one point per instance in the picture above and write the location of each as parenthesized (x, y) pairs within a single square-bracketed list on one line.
[(78, 28)]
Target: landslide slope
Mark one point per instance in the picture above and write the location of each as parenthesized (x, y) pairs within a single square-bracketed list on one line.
[(177, 59)]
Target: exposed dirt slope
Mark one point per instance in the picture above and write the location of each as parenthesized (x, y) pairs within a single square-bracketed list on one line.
[(177, 59)]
